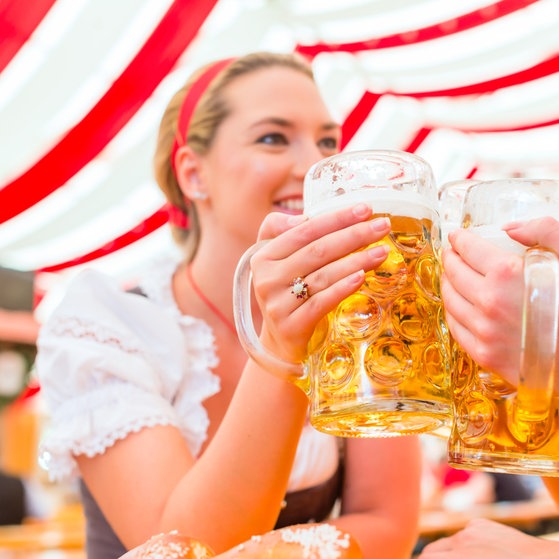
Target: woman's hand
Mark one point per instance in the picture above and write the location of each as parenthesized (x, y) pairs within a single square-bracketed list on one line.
[(326, 252)]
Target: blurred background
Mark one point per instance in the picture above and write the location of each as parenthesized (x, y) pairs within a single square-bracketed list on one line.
[(472, 86)]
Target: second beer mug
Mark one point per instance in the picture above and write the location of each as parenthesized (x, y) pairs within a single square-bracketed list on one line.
[(379, 364), (513, 426)]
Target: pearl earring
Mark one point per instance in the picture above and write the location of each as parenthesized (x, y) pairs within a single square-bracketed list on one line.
[(197, 195)]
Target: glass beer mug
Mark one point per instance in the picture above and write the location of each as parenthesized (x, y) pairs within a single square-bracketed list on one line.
[(499, 426), (451, 198), (378, 365)]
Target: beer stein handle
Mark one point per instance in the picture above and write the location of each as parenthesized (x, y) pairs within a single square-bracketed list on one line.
[(539, 340), (295, 372)]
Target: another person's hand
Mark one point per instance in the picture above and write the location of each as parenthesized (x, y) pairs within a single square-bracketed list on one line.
[(485, 539), (482, 292), (543, 231), (326, 252)]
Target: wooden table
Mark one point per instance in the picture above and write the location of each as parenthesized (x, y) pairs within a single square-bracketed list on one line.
[(44, 554), (65, 539), (526, 515), (44, 539)]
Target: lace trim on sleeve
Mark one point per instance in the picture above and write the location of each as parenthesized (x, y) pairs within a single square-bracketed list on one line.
[(79, 328), (115, 405), (90, 424)]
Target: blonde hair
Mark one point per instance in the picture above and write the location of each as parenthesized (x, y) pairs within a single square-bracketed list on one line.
[(209, 113)]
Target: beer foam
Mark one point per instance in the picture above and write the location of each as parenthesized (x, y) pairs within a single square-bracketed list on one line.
[(534, 211), (381, 200), (498, 237)]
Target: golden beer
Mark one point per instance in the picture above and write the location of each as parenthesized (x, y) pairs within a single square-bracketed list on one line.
[(379, 363), (492, 432)]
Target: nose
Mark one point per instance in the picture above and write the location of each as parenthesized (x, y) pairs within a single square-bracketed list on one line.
[(306, 155)]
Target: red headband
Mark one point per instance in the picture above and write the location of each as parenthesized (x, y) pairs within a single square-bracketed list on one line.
[(190, 102), (177, 216)]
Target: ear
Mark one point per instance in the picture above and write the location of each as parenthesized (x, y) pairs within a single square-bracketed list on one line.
[(188, 167)]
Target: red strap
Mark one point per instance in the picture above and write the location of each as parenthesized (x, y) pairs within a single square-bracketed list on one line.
[(18, 20), (149, 225), (418, 139), (414, 36), (190, 102), (357, 116)]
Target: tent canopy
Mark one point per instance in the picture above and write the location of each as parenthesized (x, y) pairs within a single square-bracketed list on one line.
[(472, 86)]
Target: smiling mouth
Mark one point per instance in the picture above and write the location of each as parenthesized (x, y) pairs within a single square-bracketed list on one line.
[(290, 205)]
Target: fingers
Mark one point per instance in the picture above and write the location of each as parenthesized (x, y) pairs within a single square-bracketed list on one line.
[(277, 223), (331, 253), (479, 253), (483, 308), (465, 280), (436, 549), (323, 251), (356, 262), (328, 261), (467, 543), (478, 270), (314, 232), (329, 257), (460, 314), (542, 231), (329, 286), (293, 321), (485, 539)]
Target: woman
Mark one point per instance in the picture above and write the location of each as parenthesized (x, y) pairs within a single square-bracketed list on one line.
[(154, 402), (480, 283)]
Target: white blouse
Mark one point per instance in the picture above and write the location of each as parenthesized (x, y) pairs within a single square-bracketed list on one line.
[(111, 363)]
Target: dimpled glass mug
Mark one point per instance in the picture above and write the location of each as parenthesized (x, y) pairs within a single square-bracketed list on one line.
[(499, 426), (451, 198), (378, 365)]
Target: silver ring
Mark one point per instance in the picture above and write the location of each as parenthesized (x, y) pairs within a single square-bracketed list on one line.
[(300, 288)]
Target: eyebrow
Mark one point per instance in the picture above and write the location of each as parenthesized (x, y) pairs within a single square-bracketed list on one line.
[(287, 124)]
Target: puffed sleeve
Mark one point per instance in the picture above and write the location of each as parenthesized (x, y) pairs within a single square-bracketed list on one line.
[(109, 363)]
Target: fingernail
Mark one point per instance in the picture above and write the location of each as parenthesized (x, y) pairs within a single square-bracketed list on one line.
[(380, 224), (357, 278), (296, 219), (511, 225), (361, 210), (379, 251)]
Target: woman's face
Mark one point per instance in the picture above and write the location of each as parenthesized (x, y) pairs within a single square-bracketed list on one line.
[(277, 128)]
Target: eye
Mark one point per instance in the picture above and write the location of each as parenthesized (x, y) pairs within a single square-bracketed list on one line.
[(329, 144), (274, 139)]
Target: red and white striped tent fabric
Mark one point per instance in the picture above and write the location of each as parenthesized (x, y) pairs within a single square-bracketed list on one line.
[(472, 86)]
